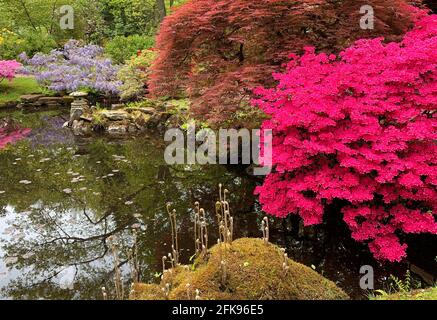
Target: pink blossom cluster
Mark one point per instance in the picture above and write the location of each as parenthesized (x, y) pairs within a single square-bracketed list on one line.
[(8, 69), (360, 129)]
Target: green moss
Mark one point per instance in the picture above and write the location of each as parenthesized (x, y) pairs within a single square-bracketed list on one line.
[(98, 118), (420, 294), (145, 103), (254, 270), (12, 91)]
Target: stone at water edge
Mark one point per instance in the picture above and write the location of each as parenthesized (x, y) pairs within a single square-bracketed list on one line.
[(117, 106), (117, 129), (115, 115), (30, 98), (147, 110)]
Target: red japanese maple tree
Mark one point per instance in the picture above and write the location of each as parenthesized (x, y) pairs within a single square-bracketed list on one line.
[(218, 50), (361, 128)]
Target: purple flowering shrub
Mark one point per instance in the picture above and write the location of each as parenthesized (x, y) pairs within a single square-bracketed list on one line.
[(73, 68)]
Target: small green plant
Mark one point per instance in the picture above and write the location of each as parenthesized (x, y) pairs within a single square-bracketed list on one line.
[(403, 286), (97, 118)]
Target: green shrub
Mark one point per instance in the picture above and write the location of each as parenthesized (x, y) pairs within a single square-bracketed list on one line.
[(29, 41), (135, 75), (123, 48)]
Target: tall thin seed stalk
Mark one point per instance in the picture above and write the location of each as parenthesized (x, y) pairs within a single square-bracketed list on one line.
[(265, 230), (174, 234)]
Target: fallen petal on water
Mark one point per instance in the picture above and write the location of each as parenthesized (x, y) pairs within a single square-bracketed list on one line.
[(11, 260)]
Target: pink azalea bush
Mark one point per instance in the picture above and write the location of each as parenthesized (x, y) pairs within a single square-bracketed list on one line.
[(360, 129), (8, 69)]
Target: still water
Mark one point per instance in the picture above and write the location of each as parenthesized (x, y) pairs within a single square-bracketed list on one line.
[(64, 201)]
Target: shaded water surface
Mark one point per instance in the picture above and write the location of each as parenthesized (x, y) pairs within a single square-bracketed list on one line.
[(63, 201)]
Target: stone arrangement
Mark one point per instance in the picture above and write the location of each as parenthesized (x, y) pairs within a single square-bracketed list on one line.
[(119, 122), (36, 101)]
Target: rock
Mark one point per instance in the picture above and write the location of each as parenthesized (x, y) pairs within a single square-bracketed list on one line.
[(53, 101), (147, 110), (173, 121), (117, 106), (80, 127), (116, 129), (160, 118), (67, 100), (86, 118), (31, 98), (78, 94), (115, 115), (142, 120), (132, 128)]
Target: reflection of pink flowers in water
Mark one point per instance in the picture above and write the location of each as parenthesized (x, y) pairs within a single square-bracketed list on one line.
[(12, 137)]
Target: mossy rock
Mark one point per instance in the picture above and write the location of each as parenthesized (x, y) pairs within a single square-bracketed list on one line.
[(254, 271)]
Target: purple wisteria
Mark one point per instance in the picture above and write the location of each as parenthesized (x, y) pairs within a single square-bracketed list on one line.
[(74, 68)]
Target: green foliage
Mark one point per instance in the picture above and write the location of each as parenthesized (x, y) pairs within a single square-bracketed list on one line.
[(11, 91), (418, 294), (399, 285), (128, 17), (122, 48), (42, 16), (403, 289), (135, 74), (12, 44)]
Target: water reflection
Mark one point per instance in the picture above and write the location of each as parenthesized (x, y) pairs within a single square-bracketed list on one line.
[(61, 200), (55, 227)]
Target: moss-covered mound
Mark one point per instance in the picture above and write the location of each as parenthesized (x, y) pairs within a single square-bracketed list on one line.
[(251, 270), (420, 294)]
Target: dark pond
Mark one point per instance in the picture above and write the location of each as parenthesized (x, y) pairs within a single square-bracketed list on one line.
[(61, 200)]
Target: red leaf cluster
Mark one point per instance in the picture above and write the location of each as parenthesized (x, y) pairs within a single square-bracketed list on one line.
[(218, 50)]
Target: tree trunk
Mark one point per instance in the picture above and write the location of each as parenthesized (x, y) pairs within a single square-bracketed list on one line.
[(161, 11)]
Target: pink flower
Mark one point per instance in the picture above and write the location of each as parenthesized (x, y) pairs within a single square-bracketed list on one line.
[(8, 68), (360, 128)]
